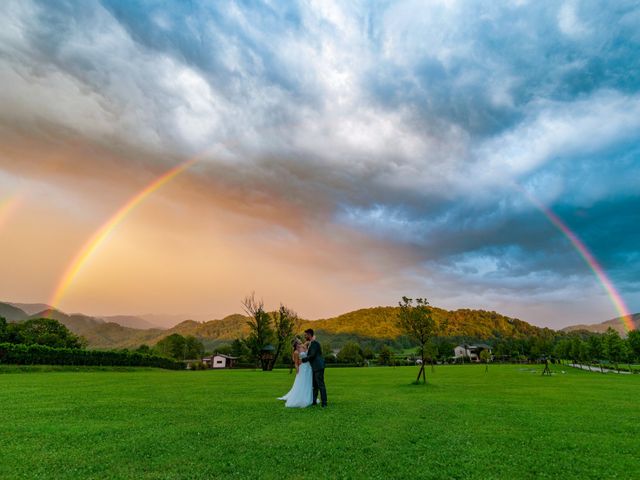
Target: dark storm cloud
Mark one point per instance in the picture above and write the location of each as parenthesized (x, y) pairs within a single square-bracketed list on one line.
[(410, 121)]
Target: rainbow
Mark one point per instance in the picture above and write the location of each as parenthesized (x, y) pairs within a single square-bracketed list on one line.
[(105, 230), (591, 261), (8, 206)]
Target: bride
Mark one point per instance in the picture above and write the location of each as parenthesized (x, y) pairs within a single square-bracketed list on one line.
[(301, 393)]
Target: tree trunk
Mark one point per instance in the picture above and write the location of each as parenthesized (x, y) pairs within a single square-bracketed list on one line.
[(278, 350), (420, 373)]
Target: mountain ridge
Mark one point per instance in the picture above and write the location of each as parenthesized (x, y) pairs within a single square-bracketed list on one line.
[(373, 324), (616, 323)]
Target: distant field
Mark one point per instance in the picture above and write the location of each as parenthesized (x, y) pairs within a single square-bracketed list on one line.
[(510, 423)]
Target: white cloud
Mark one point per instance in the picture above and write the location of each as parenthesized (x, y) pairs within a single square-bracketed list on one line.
[(569, 22), (556, 131)]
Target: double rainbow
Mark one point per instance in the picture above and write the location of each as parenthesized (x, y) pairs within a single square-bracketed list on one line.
[(105, 230), (89, 248), (603, 278)]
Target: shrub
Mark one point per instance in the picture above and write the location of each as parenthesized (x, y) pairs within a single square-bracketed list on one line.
[(21, 354)]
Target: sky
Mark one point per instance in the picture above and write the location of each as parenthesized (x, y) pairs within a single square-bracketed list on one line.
[(348, 153)]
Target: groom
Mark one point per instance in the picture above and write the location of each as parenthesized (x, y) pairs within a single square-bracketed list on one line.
[(314, 357)]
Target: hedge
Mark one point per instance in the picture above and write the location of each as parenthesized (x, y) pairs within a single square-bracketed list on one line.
[(21, 354)]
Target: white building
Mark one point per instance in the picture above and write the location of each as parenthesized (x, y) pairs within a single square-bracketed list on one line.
[(470, 351), (220, 361)]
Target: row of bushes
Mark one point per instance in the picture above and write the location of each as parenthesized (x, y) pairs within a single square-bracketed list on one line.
[(21, 354)]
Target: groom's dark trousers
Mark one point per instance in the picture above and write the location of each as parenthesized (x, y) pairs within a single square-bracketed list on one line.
[(318, 385), (314, 357)]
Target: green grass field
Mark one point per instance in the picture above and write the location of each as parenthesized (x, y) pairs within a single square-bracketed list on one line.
[(510, 423)]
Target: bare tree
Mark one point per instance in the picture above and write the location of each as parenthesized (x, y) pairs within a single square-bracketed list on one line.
[(416, 321), (260, 325)]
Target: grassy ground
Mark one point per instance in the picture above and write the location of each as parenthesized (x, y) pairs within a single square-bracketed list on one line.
[(510, 423)]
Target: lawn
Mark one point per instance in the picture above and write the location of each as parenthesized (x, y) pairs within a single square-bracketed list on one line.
[(511, 423)]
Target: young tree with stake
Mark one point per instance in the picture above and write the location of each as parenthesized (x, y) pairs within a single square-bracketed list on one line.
[(416, 321)]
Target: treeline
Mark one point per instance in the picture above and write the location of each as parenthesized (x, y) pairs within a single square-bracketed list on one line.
[(21, 354), (39, 331), (177, 347), (44, 341), (597, 349), (580, 347)]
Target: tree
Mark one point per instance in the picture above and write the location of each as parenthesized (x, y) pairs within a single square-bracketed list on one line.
[(430, 354), (562, 349), (172, 346), (144, 348), (416, 321), (384, 357), (238, 349), (594, 349), (613, 346), (4, 334), (284, 321), (633, 340), (350, 353), (368, 353), (224, 349), (485, 357), (575, 349), (540, 348), (261, 333), (585, 354), (193, 348), (46, 331)]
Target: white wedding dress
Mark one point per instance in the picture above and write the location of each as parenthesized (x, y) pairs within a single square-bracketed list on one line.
[(301, 394)]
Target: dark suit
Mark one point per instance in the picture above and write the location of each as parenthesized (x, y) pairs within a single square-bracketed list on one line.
[(315, 359)]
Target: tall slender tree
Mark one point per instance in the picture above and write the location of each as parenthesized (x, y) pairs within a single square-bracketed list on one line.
[(416, 321), (261, 332), (284, 321)]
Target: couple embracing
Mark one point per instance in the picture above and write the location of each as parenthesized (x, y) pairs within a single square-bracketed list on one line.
[(307, 357)]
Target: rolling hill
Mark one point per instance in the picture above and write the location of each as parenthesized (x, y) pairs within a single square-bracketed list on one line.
[(369, 325), (131, 321), (101, 334), (615, 323), (12, 313), (31, 308)]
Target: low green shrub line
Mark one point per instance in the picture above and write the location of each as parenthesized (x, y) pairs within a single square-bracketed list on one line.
[(21, 354)]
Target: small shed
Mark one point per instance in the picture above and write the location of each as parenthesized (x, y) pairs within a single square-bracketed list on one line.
[(220, 361)]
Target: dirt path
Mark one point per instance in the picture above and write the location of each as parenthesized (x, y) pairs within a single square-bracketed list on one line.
[(597, 369)]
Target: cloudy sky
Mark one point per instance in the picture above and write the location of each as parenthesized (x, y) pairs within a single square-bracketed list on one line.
[(349, 153)]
